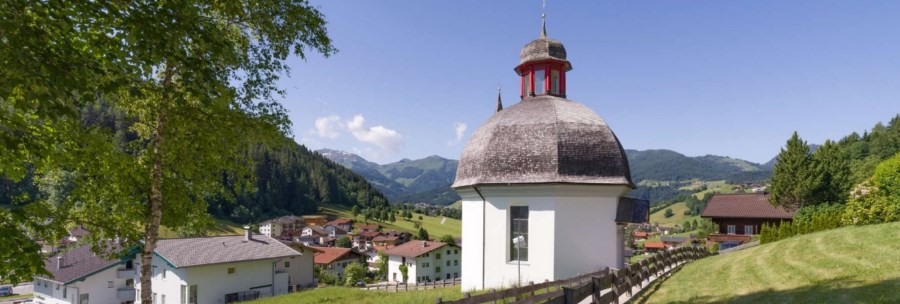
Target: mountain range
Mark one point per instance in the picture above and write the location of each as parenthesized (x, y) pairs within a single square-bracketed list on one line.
[(429, 179)]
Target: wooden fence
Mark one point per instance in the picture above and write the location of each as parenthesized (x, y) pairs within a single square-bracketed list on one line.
[(407, 287), (604, 286)]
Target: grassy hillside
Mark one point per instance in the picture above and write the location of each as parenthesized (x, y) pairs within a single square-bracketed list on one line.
[(218, 228), (353, 295), (847, 265), (433, 224), (677, 219)]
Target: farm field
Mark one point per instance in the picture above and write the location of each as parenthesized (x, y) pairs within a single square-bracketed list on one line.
[(677, 219), (436, 225)]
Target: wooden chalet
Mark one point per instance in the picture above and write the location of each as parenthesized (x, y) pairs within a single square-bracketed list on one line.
[(742, 215)]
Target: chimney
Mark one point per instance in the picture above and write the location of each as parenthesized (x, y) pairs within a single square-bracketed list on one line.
[(59, 262), (424, 244), (247, 234)]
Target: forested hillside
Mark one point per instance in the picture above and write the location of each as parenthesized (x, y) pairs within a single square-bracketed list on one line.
[(667, 165), (289, 179)]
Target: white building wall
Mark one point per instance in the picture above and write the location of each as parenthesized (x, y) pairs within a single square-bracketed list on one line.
[(571, 230), (96, 286), (213, 281), (300, 271), (394, 274)]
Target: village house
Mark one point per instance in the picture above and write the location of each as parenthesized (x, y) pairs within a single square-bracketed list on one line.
[(223, 269), (742, 215), (654, 246), (281, 227), (316, 233), (369, 228), (545, 170), (342, 223), (80, 276), (675, 241), (363, 240), (300, 269), (426, 261), (334, 231), (314, 220), (333, 260)]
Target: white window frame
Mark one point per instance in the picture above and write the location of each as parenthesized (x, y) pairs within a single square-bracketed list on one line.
[(731, 229)]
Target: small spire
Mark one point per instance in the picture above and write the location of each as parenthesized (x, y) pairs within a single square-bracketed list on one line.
[(544, 19), (499, 102)]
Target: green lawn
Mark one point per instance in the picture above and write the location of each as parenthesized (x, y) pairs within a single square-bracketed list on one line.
[(15, 297), (433, 224), (677, 219), (715, 186), (218, 228), (353, 295), (846, 265)]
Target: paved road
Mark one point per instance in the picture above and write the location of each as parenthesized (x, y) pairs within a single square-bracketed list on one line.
[(23, 288)]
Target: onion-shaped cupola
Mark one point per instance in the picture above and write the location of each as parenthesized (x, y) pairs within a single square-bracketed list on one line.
[(543, 66)]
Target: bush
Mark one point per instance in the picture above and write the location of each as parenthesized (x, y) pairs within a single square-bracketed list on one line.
[(355, 272), (806, 220), (669, 213), (876, 200)]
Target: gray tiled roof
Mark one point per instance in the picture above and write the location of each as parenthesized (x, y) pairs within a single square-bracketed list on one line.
[(76, 263), (189, 252), (543, 139), (542, 49)]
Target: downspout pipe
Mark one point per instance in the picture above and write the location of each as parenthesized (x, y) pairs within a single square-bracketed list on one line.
[(483, 239)]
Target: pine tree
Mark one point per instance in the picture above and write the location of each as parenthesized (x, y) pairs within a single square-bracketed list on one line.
[(792, 184), (831, 173)]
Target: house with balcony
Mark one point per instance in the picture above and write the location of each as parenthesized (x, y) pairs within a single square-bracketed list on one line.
[(343, 223), (741, 215), (333, 260), (223, 269), (426, 261), (80, 276)]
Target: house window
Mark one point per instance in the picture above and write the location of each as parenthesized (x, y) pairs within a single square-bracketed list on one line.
[(231, 270), (731, 229), (163, 299), (164, 273), (57, 285), (455, 251), (448, 262), (109, 284), (448, 251), (526, 83), (153, 272), (437, 269), (287, 264), (183, 294), (84, 299), (518, 220), (437, 255), (448, 276), (192, 297), (748, 229), (455, 262), (129, 283), (154, 298)]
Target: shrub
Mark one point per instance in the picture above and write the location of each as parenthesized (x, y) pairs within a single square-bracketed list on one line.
[(355, 272), (876, 200)]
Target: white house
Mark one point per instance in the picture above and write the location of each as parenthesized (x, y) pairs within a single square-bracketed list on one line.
[(333, 260), (281, 226), (271, 228), (547, 169), (81, 277), (220, 269), (299, 269), (425, 261), (343, 223)]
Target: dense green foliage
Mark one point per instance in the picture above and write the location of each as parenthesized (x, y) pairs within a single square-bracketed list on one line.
[(808, 219), (355, 272), (792, 181), (878, 199)]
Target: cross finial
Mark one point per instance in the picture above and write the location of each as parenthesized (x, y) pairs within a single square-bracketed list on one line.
[(543, 18), (499, 103)]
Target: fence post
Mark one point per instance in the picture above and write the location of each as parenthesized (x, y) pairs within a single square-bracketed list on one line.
[(531, 284), (569, 295), (548, 285), (615, 286), (494, 293), (438, 301)]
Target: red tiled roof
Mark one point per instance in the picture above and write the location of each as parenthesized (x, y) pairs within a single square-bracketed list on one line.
[(372, 227), (744, 205), (640, 234), (654, 245), (414, 248), (331, 254), (340, 221)]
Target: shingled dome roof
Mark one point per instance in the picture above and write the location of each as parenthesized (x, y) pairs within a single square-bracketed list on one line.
[(542, 49), (543, 139)]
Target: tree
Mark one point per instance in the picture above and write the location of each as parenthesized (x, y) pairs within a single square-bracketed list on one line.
[(448, 239), (694, 225), (404, 272), (686, 225), (408, 215), (669, 213), (420, 217), (343, 242), (831, 173), (198, 79), (382, 264), (422, 234), (355, 210), (355, 272), (792, 183), (391, 218)]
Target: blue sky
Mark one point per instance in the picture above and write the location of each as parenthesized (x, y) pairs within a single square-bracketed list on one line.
[(733, 78)]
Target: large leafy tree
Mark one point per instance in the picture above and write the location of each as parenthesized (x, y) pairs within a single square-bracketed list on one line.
[(792, 181), (196, 80)]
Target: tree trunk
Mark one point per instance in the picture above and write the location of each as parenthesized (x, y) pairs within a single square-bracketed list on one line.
[(151, 227)]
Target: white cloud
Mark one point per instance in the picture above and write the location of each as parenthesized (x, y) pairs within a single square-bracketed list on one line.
[(329, 126), (387, 139), (460, 129)]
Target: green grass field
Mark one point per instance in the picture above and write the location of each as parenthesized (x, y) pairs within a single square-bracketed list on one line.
[(677, 219), (15, 297), (436, 225), (218, 228), (846, 265), (353, 295), (715, 186)]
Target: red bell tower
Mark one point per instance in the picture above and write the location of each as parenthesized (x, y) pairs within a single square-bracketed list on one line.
[(543, 66)]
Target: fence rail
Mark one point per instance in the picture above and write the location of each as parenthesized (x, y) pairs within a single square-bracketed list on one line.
[(397, 287), (604, 286)]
